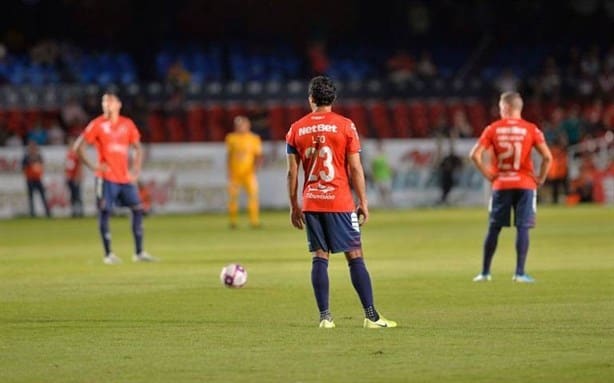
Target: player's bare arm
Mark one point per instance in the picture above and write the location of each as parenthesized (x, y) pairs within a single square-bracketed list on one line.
[(138, 161), (79, 148), (544, 151), (296, 215), (357, 175), (476, 157)]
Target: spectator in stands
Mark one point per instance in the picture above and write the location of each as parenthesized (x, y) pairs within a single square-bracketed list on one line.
[(425, 67), (177, 75), (73, 116), (37, 134), (557, 175), (32, 167), (45, 52), (318, 58), (401, 66), (593, 119), (507, 81), (441, 128), (573, 70), (550, 80), (460, 125), (590, 64), (582, 186), (55, 133), (585, 86), (572, 126), (552, 128), (605, 82)]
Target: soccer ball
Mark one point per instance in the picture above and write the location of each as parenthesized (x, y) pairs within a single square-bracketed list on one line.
[(233, 275)]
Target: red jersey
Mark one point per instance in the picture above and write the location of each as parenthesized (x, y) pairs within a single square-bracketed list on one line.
[(322, 141), (72, 166), (512, 141), (112, 141), (32, 165)]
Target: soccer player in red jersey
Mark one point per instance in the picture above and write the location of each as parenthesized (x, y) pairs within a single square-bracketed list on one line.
[(114, 135), (511, 140), (327, 146), (73, 174)]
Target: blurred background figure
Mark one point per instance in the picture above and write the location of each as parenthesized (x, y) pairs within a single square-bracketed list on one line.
[(557, 175), (145, 195), (449, 167), (381, 173), (73, 171), (32, 167), (244, 157)]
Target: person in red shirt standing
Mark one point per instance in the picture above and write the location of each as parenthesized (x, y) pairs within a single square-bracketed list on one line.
[(511, 140), (114, 136), (327, 146), (73, 174), (32, 166)]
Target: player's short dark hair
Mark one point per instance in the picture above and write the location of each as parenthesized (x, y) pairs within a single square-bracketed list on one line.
[(112, 93), (322, 91)]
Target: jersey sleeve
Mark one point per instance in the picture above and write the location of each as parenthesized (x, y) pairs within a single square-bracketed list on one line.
[(90, 133), (485, 139), (134, 135), (353, 140), (538, 136), (290, 142)]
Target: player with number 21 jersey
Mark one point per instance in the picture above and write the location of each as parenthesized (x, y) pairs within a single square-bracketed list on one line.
[(512, 141)]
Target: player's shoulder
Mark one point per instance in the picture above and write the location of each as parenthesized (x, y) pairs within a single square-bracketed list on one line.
[(230, 137), (95, 123), (126, 120)]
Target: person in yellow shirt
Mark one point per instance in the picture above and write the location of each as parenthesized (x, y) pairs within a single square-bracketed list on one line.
[(244, 157)]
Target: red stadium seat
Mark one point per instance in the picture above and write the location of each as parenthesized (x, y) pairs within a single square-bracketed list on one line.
[(400, 120), (476, 114), (157, 133), (175, 128), (380, 120), (196, 123), (296, 112), (358, 114), (216, 123), (436, 110), (277, 119), (418, 118), (15, 122)]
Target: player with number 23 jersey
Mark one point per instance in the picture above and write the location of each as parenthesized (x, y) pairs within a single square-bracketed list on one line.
[(322, 141)]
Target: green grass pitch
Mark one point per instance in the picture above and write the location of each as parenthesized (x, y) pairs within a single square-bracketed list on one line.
[(66, 317)]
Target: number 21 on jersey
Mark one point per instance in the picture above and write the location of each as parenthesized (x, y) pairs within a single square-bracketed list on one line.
[(509, 158)]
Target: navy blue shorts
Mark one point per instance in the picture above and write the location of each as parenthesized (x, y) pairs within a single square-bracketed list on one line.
[(110, 194), (332, 232), (522, 201)]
